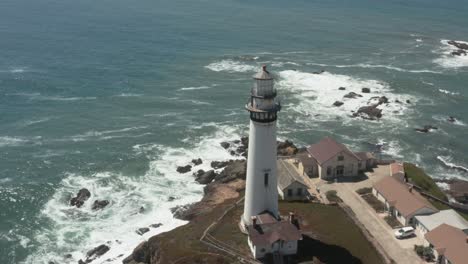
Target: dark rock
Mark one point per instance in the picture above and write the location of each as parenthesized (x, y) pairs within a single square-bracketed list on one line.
[(225, 145), (338, 103), (141, 210), (365, 90), (184, 169), (426, 129), (408, 101), (234, 170), (142, 230), (352, 95), (100, 204), (51, 262), (286, 148), (460, 45), (96, 252), (397, 101), (198, 173), (68, 256), (383, 100), (369, 112), (459, 52), (342, 88), (141, 254), (451, 119), (206, 177), (81, 262), (319, 72), (237, 141), (171, 198), (82, 196), (156, 225), (182, 212), (218, 164), (197, 161), (232, 152)]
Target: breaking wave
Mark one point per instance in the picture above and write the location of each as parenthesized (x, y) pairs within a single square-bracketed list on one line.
[(135, 202), (446, 59), (447, 161), (371, 66), (231, 66)]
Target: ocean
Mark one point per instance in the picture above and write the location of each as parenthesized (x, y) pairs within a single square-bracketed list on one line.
[(113, 95)]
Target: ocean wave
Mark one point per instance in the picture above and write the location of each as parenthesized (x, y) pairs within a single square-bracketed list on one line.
[(447, 161), (371, 66), (128, 95), (195, 88), (316, 94), (8, 141), (442, 118), (106, 134), (15, 70), (76, 230), (40, 97), (446, 59), (448, 92), (231, 66)]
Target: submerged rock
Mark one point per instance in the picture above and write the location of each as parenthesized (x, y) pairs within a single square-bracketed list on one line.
[(451, 119), (426, 129), (142, 230), (206, 177), (96, 252), (352, 95), (225, 145), (460, 45), (100, 204), (156, 225), (365, 90), (342, 88), (338, 103), (184, 169), (82, 196)]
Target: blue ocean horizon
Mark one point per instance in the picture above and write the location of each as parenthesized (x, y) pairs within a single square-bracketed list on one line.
[(114, 95)]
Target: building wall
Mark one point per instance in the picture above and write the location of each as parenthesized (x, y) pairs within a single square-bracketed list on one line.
[(289, 248), (349, 162), (285, 248), (420, 228), (294, 189), (422, 211)]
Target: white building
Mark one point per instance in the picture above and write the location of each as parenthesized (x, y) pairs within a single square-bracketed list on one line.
[(426, 223), (291, 185), (401, 200), (268, 235)]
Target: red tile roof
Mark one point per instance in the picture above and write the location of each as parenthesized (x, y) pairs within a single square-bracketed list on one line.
[(328, 148)]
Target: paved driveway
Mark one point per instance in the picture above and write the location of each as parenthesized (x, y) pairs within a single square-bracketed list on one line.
[(401, 251)]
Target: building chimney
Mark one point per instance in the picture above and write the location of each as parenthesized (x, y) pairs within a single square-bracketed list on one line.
[(254, 220), (291, 217)]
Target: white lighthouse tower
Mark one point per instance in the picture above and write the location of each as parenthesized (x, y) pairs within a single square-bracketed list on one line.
[(261, 193)]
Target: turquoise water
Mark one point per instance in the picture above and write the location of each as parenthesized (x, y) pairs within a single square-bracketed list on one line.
[(113, 95)]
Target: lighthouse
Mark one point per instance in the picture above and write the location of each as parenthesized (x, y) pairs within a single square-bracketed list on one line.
[(261, 193)]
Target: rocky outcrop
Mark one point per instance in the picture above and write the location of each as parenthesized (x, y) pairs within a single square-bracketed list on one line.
[(205, 177), (370, 112), (95, 253), (184, 169), (342, 88), (225, 145), (100, 204), (142, 230), (82, 196), (365, 90), (182, 211), (338, 103), (459, 45), (352, 95), (156, 225), (451, 119), (286, 148), (459, 52), (140, 255), (236, 169), (426, 129), (458, 189), (197, 162), (218, 164)]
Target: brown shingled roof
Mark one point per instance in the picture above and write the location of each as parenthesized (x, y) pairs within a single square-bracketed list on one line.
[(326, 149), (398, 194), (450, 242), (267, 234)]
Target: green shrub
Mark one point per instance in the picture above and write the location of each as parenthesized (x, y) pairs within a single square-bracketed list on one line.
[(365, 190), (332, 196)]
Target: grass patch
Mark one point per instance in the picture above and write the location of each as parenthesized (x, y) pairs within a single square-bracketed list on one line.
[(333, 197), (329, 235), (365, 190), (392, 221), (375, 203), (417, 176)]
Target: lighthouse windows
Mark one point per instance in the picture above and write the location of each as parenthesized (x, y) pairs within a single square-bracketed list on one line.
[(265, 179)]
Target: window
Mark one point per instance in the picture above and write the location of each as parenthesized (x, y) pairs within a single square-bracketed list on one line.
[(340, 158), (339, 170), (299, 191), (290, 192), (329, 171), (266, 179)]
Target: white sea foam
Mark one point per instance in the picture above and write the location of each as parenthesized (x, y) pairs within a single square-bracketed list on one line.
[(38, 96), (76, 230), (195, 88), (128, 95), (7, 141), (448, 92), (106, 134), (370, 66), (231, 66), (448, 162), (444, 119), (316, 94), (446, 59)]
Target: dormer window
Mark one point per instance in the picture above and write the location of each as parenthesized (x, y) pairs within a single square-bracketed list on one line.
[(340, 158)]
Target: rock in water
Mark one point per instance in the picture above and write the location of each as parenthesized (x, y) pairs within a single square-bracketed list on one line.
[(206, 177), (383, 100), (426, 128), (342, 88), (371, 112), (352, 95), (96, 252), (234, 170), (365, 90), (451, 119), (82, 196), (184, 169), (197, 161), (218, 164), (338, 103), (156, 225), (100, 204), (182, 211), (460, 45), (225, 145), (142, 230)]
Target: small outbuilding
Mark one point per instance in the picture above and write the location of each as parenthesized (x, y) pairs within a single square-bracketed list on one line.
[(268, 235), (291, 185)]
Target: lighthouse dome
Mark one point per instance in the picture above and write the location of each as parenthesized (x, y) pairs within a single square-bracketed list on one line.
[(263, 74)]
